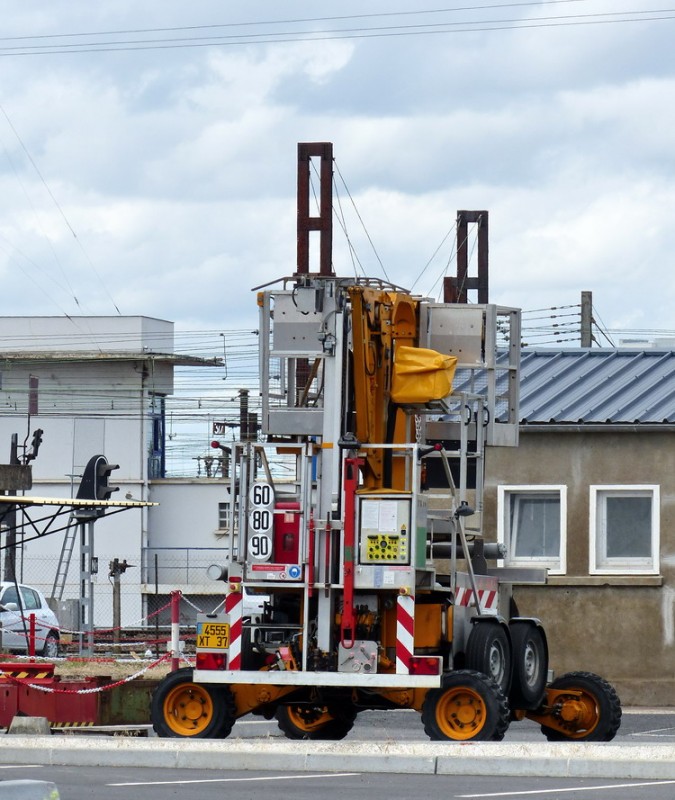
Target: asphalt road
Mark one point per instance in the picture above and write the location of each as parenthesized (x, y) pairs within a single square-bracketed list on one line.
[(89, 783), (643, 727), (639, 726)]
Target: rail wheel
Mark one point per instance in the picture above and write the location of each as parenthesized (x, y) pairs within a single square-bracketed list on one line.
[(595, 716), (183, 708), (469, 706), (530, 665), (488, 650), (310, 721)]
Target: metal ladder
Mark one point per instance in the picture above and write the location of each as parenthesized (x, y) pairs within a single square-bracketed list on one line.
[(64, 558)]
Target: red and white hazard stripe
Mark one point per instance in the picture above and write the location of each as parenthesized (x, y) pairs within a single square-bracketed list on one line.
[(234, 602), (488, 599), (405, 633)]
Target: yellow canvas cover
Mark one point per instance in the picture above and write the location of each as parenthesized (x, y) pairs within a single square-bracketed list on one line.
[(421, 375)]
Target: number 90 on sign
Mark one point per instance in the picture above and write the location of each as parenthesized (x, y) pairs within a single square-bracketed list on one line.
[(259, 547)]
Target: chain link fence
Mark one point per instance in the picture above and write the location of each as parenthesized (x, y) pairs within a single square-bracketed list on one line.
[(144, 588), (181, 566)]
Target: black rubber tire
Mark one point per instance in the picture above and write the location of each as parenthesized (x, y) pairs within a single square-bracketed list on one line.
[(529, 652), (183, 709), (51, 646), (488, 650), (309, 721), (469, 707), (604, 709)]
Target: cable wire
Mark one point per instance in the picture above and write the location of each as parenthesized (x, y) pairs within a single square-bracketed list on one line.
[(363, 225), (573, 20)]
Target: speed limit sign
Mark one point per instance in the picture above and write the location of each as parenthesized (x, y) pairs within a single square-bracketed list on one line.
[(260, 520), (259, 547), (261, 495)]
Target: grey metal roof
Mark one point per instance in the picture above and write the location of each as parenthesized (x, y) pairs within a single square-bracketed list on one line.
[(596, 386)]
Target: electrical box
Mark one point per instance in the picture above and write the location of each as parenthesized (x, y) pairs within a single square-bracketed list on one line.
[(386, 548), (296, 327), (384, 530)]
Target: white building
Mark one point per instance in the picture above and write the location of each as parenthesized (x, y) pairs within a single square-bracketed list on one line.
[(98, 385)]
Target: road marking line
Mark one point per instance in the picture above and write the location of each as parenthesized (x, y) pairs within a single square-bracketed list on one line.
[(568, 789), (654, 731), (239, 780), (21, 766)]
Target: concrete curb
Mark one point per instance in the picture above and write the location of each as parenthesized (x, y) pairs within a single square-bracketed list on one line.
[(564, 759)]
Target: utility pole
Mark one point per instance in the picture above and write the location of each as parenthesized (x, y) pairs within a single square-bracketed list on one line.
[(93, 486), (14, 477), (117, 568), (586, 319)]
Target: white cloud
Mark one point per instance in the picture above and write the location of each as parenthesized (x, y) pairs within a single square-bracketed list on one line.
[(176, 167)]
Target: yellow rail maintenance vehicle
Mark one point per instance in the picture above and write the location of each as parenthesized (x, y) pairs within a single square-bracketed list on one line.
[(379, 591)]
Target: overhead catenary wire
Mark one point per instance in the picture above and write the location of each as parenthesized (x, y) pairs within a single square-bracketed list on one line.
[(293, 21), (63, 215), (550, 308), (601, 328), (453, 251), (498, 25), (360, 218), (340, 216), (338, 213), (201, 397), (47, 273)]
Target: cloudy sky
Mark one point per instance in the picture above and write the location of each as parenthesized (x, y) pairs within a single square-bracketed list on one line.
[(148, 150)]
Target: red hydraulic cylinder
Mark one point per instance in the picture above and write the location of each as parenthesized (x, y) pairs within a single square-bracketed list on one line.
[(351, 484)]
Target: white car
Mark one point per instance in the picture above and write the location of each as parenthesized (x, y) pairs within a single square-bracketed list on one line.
[(254, 604), (15, 610)]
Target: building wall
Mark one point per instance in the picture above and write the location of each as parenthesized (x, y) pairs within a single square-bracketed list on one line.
[(88, 334), (184, 537), (618, 626), (92, 398)]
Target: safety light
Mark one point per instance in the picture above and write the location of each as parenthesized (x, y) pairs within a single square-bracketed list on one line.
[(425, 665), (210, 661)]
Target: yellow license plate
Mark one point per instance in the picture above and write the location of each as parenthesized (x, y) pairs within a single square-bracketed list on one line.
[(213, 635)]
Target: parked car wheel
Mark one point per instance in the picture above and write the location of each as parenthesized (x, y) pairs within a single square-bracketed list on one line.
[(51, 648)]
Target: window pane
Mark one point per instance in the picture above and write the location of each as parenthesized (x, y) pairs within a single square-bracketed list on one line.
[(535, 526), (30, 599), (10, 596), (629, 527)]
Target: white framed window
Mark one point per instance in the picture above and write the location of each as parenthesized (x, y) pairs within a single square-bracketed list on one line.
[(532, 524), (223, 515), (624, 530)]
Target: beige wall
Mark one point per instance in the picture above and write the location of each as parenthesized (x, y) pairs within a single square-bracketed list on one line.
[(618, 626)]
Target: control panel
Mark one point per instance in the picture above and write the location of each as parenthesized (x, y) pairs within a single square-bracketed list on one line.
[(384, 530)]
